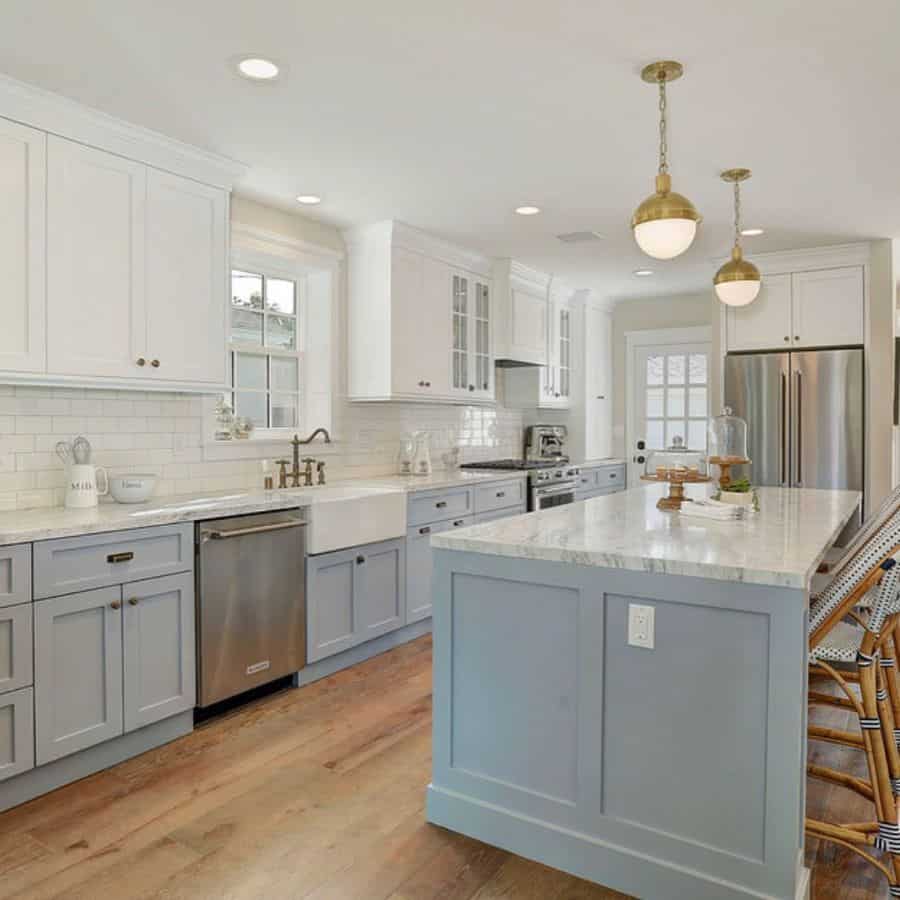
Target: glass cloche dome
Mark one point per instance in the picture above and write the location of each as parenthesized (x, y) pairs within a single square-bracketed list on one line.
[(727, 439), (676, 461)]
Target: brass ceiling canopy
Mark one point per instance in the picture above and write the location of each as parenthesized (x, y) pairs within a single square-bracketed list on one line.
[(665, 224), (738, 281)]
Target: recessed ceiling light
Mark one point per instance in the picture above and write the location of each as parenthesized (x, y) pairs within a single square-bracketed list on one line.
[(309, 199), (257, 69), (643, 273), (752, 232), (528, 210)]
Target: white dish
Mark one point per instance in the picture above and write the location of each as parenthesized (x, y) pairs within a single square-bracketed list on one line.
[(131, 488)]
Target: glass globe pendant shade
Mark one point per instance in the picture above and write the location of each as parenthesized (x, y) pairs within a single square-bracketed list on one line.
[(738, 281), (665, 224)]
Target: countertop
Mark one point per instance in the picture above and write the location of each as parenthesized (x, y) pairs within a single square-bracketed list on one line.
[(781, 545), (24, 526), (593, 463)]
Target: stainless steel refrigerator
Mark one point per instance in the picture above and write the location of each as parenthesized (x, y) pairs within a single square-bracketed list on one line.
[(805, 414)]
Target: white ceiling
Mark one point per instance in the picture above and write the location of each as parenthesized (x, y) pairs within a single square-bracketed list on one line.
[(447, 115)]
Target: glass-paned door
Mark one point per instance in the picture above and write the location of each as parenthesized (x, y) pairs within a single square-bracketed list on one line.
[(670, 399), (460, 352)]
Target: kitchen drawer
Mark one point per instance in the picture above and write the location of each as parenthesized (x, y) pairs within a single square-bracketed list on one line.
[(499, 495), (419, 557), (611, 476), (587, 481), (436, 506), (16, 732), (16, 647), (69, 565), (15, 574), (496, 514)]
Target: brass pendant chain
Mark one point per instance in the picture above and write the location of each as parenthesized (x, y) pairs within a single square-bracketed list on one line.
[(737, 214), (663, 140)]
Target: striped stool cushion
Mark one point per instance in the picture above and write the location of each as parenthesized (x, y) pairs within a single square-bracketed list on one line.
[(841, 644)]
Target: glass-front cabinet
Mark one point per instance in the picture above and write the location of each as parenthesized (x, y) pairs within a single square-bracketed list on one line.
[(471, 369), (556, 382)]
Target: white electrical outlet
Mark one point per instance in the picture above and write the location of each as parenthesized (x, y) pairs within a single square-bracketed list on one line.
[(641, 625)]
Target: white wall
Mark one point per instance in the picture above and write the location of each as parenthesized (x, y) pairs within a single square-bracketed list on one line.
[(135, 431), (644, 314)]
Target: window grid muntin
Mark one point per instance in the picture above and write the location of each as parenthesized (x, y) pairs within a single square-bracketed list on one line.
[(665, 423)]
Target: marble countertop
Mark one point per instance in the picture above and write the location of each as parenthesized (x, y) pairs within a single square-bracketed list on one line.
[(604, 461), (24, 526), (781, 545)]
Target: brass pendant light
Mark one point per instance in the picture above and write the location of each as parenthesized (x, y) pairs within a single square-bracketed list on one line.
[(665, 224), (737, 282)]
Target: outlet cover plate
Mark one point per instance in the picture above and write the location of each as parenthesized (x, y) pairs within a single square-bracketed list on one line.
[(641, 626)]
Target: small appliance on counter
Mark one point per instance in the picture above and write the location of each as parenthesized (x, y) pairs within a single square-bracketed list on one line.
[(551, 480)]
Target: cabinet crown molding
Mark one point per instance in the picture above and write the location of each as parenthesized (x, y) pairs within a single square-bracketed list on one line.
[(56, 114), (521, 276), (416, 241), (784, 261)]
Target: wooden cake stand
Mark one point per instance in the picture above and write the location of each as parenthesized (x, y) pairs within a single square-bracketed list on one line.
[(725, 463), (676, 482)]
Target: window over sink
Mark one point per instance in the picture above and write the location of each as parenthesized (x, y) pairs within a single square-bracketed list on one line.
[(281, 311)]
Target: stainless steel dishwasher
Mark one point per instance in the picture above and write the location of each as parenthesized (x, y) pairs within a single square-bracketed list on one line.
[(251, 602)]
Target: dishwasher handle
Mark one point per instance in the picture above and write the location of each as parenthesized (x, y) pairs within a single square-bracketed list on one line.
[(218, 535)]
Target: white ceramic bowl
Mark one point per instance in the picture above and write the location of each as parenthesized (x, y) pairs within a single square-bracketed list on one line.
[(131, 488)]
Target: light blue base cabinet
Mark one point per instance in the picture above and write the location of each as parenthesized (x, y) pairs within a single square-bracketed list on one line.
[(418, 565), (354, 595)]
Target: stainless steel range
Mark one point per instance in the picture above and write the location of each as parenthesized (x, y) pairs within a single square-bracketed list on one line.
[(551, 480)]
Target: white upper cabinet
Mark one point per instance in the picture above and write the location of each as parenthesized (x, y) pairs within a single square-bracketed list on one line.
[(812, 308), (23, 194), (556, 383), (419, 318), (186, 289), (764, 324), (96, 215), (115, 266), (522, 318), (827, 307)]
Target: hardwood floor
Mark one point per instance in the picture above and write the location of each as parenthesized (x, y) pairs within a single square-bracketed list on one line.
[(315, 793)]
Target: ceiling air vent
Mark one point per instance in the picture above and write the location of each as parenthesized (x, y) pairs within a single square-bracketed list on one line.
[(579, 237)]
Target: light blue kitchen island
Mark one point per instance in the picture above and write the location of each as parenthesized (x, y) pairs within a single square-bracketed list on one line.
[(667, 773)]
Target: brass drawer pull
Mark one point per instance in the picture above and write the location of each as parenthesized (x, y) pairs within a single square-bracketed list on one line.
[(127, 556), (133, 601), (501, 494), (441, 504), (141, 361), (155, 363), (115, 604)]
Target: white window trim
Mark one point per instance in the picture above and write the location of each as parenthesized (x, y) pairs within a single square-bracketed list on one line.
[(255, 249)]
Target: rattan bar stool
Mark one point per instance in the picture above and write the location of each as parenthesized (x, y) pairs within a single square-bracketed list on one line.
[(849, 652)]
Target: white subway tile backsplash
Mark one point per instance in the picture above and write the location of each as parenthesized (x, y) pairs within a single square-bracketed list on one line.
[(135, 431)]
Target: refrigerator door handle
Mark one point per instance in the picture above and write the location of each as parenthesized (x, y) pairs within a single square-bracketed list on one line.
[(799, 429), (783, 477)]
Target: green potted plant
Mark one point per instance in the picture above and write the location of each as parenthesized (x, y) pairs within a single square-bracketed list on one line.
[(739, 492)]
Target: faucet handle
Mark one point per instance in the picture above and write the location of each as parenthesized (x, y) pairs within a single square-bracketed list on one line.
[(309, 460), (282, 473), (320, 469)]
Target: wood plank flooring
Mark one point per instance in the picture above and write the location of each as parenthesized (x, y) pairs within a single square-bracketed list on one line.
[(314, 793)]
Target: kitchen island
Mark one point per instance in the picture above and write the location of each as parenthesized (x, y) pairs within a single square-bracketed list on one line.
[(671, 771)]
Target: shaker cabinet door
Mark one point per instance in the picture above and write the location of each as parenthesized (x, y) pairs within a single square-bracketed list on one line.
[(158, 654), (96, 316), (828, 307), (330, 587), (186, 288), (764, 324), (16, 732), (77, 671), (23, 195), (380, 589), (16, 647)]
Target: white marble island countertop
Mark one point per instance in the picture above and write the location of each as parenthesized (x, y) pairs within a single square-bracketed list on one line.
[(781, 545)]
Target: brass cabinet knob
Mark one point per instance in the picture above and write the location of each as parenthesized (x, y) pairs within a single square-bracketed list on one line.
[(155, 363), (786, 338), (141, 361), (796, 337), (115, 604), (133, 601)]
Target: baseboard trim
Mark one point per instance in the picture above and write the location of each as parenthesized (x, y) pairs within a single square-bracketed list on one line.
[(325, 667), (49, 777), (583, 855)]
